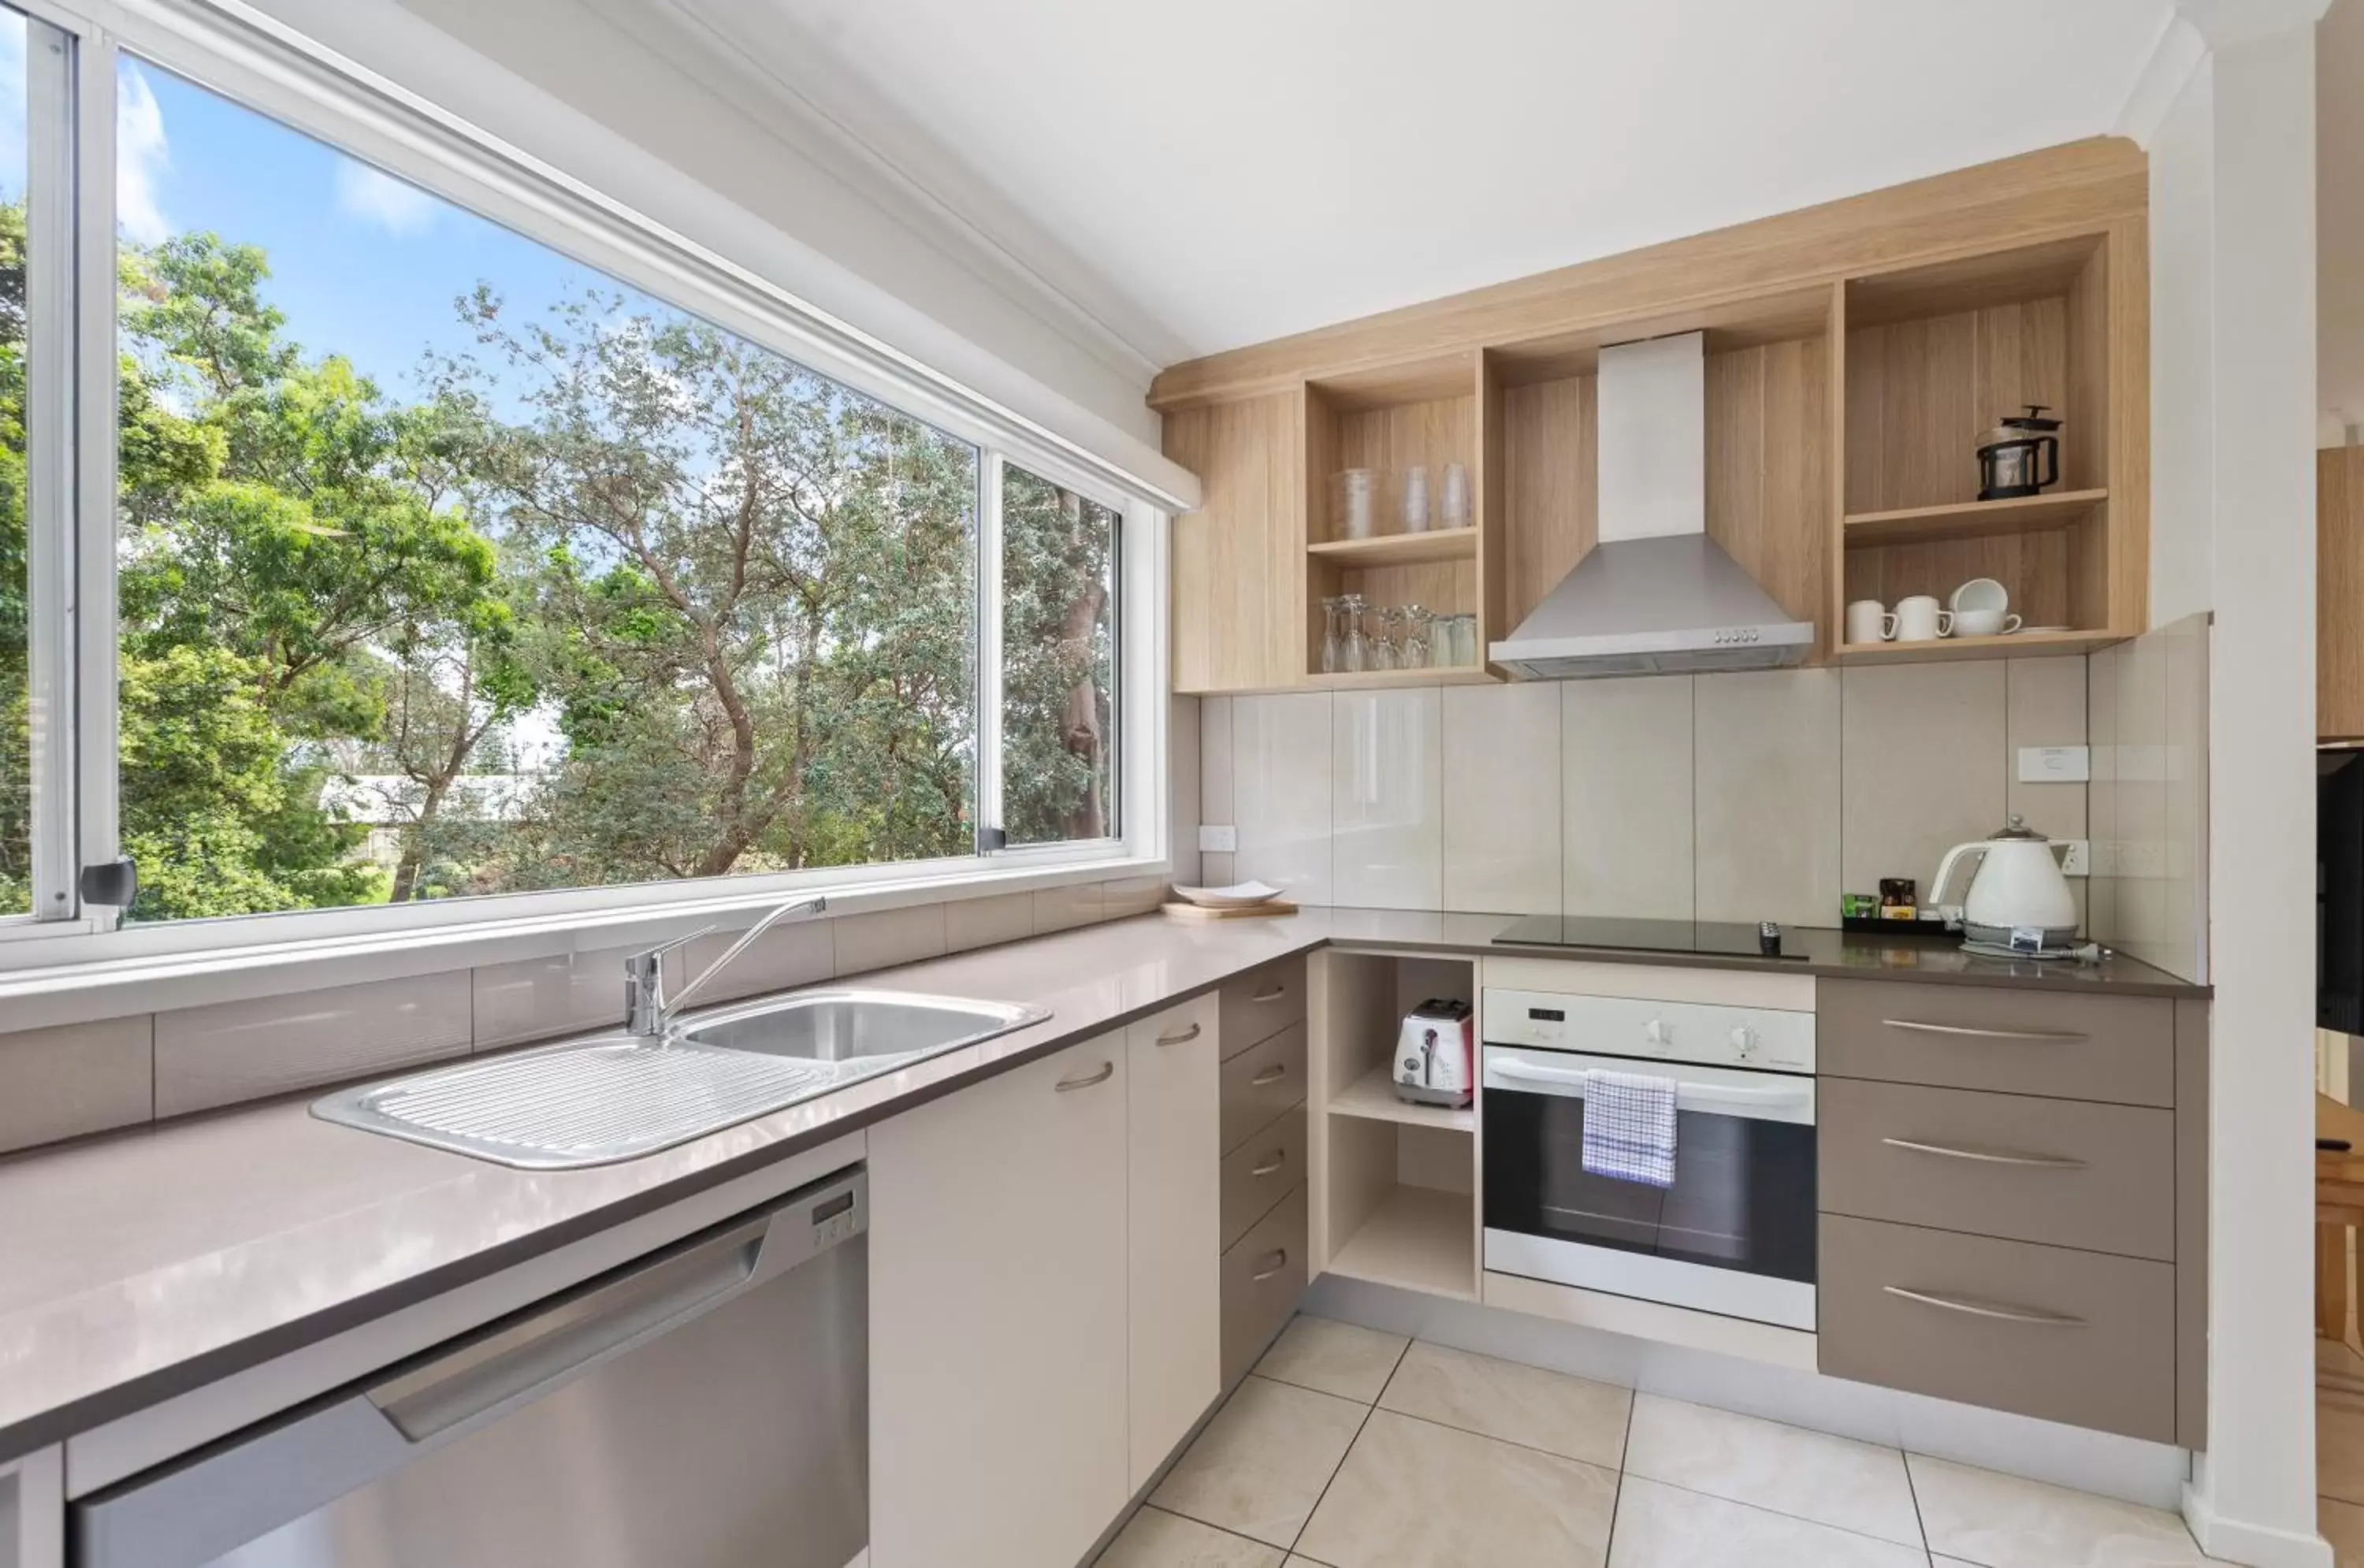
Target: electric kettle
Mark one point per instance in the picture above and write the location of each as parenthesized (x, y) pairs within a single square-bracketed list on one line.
[(2018, 899)]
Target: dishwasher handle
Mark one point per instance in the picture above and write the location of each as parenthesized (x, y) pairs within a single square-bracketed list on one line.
[(194, 1511)]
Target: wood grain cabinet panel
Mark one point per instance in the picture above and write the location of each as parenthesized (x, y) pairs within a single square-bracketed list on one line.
[(1173, 1228), (2018, 1040), (1263, 1002), (2083, 1338), (1261, 1082), (2067, 1173), (1238, 562)]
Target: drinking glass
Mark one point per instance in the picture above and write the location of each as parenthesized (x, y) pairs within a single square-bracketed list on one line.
[(1457, 495), (1332, 650), (1418, 623), (1353, 502), (1353, 654), (1387, 649), (1415, 499)]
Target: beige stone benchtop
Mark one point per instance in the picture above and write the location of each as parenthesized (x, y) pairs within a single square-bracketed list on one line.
[(137, 1264)]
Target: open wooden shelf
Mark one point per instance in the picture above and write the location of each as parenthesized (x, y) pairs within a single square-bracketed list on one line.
[(1372, 680), (2018, 645), (1971, 519), (1400, 550), (1373, 1097), (1418, 1238)]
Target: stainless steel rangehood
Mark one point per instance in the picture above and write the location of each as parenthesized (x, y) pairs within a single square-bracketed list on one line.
[(1655, 595)]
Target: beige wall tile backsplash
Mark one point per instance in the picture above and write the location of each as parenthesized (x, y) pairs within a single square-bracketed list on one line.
[(1744, 796), (1625, 797), (537, 996), (2148, 801), (884, 938), (78, 1078), (230, 1051)]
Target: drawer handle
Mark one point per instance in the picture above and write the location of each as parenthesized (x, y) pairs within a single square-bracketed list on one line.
[(2053, 1036), (1184, 1038), (1279, 1158), (1107, 1072), (1279, 1262), (1272, 1075), (1986, 1308), (1989, 1156), (1275, 995)]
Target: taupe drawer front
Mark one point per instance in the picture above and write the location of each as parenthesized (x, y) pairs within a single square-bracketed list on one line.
[(1262, 1082), (1259, 1172), (1264, 1276), (2120, 1050), (2065, 1172), (2075, 1337), (1263, 1002)]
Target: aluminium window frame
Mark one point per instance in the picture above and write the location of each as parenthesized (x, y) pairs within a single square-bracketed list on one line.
[(227, 48)]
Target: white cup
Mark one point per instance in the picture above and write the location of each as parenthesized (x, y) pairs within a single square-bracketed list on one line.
[(1984, 623), (1979, 594), (1867, 620), (1918, 619)]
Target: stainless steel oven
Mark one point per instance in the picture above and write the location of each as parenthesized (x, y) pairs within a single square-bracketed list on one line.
[(1734, 1232)]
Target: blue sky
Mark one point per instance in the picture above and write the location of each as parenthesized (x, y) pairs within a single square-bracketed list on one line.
[(363, 264)]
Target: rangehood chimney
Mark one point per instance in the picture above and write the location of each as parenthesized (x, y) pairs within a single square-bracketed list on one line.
[(1655, 595)]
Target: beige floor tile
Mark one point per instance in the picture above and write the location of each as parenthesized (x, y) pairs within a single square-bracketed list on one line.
[(1259, 1467), (1664, 1526), (1549, 1410), (1854, 1485), (1343, 1359), (1415, 1494), (2342, 1524), (2339, 1445), (2001, 1522), (1155, 1539)]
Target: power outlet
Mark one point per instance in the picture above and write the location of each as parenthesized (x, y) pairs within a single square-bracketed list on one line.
[(2076, 857), (1218, 841), (2055, 764)]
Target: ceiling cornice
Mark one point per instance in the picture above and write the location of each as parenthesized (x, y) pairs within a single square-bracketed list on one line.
[(2224, 22), (791, 82), (2175, 55)]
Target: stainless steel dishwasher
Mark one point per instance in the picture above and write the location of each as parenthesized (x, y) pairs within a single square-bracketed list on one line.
[(706, 1407)]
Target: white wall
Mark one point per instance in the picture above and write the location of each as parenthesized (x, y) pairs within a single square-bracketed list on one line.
[(2233, 370), (714, 160)]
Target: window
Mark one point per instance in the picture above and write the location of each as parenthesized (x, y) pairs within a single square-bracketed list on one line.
[(1058, 656), (448, 565)]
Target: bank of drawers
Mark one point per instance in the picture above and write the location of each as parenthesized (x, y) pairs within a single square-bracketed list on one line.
[(1998, 1198), (1264, 1131)]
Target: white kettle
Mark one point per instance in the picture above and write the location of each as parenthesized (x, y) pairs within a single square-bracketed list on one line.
[(2018, 887)]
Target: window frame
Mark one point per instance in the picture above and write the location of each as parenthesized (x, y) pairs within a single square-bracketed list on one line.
[(265, 66)]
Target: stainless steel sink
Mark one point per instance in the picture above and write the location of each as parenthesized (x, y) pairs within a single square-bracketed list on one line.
[(856, 1026), (592, 1102)]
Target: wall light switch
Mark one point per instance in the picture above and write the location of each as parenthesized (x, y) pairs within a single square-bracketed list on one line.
[(2055, 764), (1223, 840)]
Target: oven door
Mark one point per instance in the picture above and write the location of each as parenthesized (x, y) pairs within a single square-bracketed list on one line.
[(1734, 1234)]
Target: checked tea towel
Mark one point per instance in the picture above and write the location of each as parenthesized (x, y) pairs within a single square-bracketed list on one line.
[(1629, 1127)]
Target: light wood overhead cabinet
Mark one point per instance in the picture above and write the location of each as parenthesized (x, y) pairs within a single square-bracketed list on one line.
[(998, 1419), (1856, 354), (2339, 593)]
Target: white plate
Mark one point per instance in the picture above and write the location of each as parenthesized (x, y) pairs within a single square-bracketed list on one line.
[(2032, 630), (1238, 895)]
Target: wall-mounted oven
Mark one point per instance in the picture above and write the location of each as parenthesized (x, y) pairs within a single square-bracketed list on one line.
[(1734, 1232)]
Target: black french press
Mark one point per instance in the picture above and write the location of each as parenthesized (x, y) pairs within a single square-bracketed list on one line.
[(2008, 455)]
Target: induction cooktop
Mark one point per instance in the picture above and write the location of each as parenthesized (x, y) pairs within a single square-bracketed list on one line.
[(1646, 936)]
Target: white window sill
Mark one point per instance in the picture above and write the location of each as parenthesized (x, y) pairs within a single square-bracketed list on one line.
[(35, 993)]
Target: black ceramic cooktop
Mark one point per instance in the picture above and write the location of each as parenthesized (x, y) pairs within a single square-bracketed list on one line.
[(1640, 936)]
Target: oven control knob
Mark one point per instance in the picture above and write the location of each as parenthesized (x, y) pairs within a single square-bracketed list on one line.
[(1744, 1042), (1656, 1032)]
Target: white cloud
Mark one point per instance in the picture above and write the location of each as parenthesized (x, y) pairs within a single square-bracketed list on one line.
[(141, 156), (374, 197)]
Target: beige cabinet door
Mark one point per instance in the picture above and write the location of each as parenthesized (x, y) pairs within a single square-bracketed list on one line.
[(1238, 562), (997, 1411), (1174, 1235)]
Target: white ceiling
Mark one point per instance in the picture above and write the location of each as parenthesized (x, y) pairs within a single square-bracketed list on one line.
[(1199, 176)]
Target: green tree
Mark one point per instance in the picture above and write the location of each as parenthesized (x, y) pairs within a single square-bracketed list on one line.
[(1058, 660), (16, 668)]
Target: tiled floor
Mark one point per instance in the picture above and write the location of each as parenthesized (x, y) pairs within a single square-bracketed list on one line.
[(1351, 1449)]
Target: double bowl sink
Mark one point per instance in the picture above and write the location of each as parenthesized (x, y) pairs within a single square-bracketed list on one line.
[(617, 1097)]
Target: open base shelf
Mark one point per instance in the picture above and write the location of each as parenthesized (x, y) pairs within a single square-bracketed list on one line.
[(1418, 1238), (1400, 550), (1373, 1097)]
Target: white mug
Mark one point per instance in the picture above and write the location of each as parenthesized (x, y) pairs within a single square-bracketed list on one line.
[(1984, 623), (1918, 619), (1867, 620), (1979, 594)]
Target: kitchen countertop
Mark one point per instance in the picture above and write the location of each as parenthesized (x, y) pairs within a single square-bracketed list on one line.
[(142, 1263)]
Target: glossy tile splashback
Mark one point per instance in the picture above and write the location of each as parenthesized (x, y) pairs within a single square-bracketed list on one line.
[(2149, 797), (1742, 797)]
